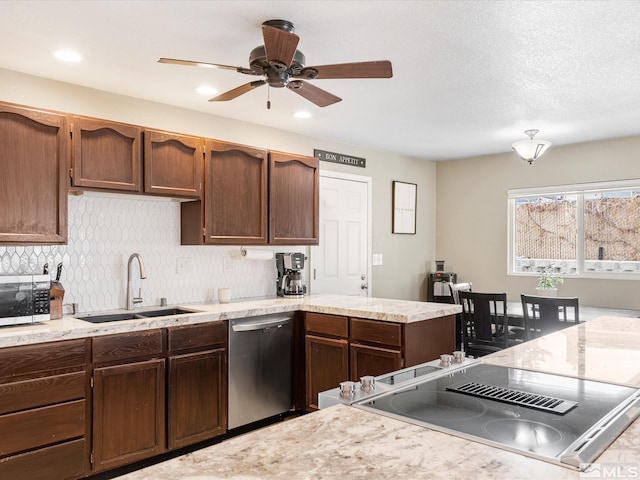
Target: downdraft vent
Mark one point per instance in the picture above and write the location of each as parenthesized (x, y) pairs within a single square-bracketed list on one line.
[(516, 397)]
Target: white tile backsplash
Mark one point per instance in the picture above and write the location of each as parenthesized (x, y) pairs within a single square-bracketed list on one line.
[(104, 230)]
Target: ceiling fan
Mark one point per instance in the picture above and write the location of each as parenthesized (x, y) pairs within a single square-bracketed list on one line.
[(281, 64)]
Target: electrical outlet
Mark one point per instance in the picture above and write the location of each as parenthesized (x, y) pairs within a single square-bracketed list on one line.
[(183, 265), (377, 259)]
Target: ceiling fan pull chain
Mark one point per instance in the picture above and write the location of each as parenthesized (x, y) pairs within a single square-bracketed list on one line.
[(268, 97)]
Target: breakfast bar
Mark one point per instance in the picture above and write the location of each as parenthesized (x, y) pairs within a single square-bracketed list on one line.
[(344, 441)]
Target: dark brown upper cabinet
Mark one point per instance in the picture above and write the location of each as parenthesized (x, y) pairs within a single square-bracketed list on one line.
[(293, 199), (106, 155), (172, 164), (34, 163), (254, 197), (234, 209)]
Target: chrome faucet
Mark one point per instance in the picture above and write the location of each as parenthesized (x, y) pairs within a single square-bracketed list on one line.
[(131, 300)]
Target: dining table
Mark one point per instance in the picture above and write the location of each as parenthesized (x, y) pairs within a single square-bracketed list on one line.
[(586, 313)]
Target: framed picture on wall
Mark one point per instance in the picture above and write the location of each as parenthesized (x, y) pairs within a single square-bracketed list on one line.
[(404, 207)]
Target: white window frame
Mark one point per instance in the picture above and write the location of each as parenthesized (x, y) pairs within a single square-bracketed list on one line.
[(573, 189)]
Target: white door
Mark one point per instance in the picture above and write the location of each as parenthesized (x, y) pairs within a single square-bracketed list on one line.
[(340, 263)]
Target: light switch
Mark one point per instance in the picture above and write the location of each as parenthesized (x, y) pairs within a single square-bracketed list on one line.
[(377, 259)]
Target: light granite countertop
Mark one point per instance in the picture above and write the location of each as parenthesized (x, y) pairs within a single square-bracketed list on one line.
[(68, 327), (345, 442)]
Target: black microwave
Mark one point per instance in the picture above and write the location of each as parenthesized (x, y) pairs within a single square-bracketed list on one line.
[(24, 299)]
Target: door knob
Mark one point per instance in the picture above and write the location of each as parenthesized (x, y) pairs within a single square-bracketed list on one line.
[(364, 286)]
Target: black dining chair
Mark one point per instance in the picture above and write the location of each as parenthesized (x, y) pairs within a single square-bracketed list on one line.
[(484, 322), (454, 289), (543, 315)]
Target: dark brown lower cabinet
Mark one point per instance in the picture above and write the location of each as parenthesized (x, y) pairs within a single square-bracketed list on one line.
[(44, 411), (368, 360), (197, 397), (142, 407), (327, 364), (128, 413), (63, 461), (342, 348)]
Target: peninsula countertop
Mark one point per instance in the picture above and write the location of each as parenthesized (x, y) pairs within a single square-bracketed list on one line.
[(345, 442), (388, 310)]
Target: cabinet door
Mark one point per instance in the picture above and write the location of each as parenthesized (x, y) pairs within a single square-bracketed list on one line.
[(172, 164), (197, 397), (128, 413), (34, 163), (235, 209), (293, 199), (367, 360), (327, 364), (427, 340), (106, 155)]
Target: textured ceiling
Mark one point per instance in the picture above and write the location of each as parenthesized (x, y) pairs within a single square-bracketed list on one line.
[(469, 76)]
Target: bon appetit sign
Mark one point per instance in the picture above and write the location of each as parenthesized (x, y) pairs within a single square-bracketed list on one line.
[(340, 158)]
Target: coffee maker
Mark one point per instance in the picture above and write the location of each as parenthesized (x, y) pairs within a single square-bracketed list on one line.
[(290, 282)]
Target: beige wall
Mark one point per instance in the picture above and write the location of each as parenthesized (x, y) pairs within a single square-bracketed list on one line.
[(406, 258), (472, 218)]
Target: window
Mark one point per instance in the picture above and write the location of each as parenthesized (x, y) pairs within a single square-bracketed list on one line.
[(587, 230)]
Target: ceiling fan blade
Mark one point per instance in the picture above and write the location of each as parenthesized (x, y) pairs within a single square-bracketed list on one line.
[(280, 46), (320, 97), (197, 64), (376, 69), (236, 92)]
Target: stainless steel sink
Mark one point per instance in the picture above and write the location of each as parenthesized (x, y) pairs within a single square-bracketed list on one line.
[(165, 312), (115, 317)]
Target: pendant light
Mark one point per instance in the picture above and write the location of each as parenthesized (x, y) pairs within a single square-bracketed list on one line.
[(531, 149)]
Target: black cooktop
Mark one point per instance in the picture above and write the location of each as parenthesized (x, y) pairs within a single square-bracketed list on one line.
[(534, 413)]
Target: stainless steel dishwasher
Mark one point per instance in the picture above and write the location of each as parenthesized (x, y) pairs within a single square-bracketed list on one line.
[(260, 352)]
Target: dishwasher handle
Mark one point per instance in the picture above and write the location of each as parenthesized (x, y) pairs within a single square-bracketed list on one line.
[(260, 325)]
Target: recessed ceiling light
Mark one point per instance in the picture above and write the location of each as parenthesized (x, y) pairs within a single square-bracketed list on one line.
[(302, 115), (67, 55), (206, 90)]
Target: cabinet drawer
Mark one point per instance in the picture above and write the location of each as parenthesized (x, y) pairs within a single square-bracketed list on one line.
[(42, 391), (372, 331), (118, 348), (63, 461), (41, 426), (40, 359), (197, 336), (332, 325)]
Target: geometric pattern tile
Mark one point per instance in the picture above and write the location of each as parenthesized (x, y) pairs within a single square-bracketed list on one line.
[(105, 229)]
